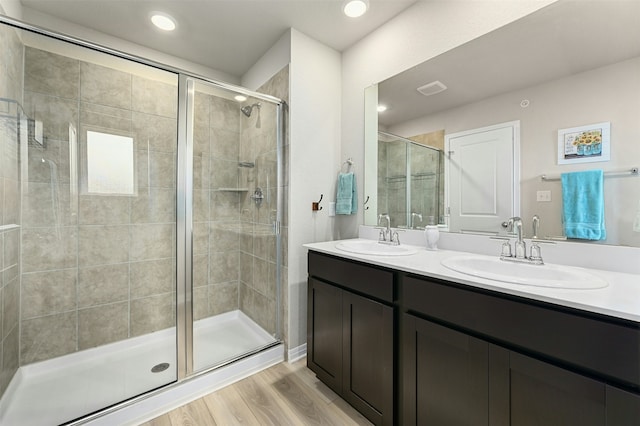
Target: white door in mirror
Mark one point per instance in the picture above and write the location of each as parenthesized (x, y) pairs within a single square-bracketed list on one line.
[(481, 177)]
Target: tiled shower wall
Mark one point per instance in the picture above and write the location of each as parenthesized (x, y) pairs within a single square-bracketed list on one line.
[(96, 268), (11, 50), (234, 246)]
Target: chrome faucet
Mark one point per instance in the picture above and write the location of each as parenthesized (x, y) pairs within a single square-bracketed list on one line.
[(385, 233), (536, 226), (413, 216), (515, 224)]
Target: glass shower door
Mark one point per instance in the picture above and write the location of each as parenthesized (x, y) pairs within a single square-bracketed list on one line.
[(93, 287), (235, 206)]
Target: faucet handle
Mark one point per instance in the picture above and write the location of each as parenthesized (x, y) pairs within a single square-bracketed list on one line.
[(506, 249), (536, 253)]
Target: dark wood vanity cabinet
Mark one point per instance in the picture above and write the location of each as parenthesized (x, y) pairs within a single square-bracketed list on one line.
[(350, 333), (460, 365), (463, 355)]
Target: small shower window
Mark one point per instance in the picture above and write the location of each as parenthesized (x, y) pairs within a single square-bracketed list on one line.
[(110, 164)]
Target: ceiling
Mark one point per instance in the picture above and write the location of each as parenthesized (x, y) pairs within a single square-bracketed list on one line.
[(560, 40), (225, 35)]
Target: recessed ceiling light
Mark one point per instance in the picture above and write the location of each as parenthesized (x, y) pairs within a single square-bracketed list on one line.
[(163, 21), (382, 108), (355, 8), (240, 98)]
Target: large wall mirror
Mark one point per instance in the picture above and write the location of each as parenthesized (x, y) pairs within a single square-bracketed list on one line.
[(572, 64)]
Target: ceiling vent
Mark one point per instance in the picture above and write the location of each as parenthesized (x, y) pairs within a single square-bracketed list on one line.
[(432, 88)]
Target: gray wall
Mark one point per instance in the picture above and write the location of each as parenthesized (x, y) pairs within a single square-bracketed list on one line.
[(11, 50), (102, 269)]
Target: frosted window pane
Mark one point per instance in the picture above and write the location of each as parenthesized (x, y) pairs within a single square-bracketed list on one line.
[(109, 164)]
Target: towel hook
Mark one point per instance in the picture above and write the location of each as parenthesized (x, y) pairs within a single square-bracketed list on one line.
[(315, 206), (365, 203)]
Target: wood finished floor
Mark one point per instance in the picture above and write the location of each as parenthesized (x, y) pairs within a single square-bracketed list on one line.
[(285, 394)]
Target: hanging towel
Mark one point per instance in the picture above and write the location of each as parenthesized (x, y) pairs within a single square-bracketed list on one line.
[(583, 205), (346, 196)]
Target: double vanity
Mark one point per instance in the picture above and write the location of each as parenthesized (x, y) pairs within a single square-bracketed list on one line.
[(415, 337)]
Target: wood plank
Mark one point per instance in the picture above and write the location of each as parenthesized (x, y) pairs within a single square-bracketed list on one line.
[(313, 384), (195, 413), (227, 407), (295, 390), (162, 420), (265, 405)]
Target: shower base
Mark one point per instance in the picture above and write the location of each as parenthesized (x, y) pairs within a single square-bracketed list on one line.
[(62, 389)]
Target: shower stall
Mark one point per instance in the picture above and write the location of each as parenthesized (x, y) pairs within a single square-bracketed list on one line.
[(140, 211), (410, 181)]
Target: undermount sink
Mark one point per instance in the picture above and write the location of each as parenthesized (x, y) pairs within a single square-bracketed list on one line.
[(554, 276), (375, 248)]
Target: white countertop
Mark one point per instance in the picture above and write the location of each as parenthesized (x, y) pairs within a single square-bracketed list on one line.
[(621, 299)]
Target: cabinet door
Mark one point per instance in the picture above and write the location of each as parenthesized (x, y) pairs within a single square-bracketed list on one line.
[(324, 332), (545, 395), (445, 376), (368, 357), (623, 408)]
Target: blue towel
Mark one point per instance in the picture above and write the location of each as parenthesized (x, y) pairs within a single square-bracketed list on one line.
[(347, 195), (583, 205)]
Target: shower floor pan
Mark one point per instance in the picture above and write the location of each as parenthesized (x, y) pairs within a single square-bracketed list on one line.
[(65, 388)]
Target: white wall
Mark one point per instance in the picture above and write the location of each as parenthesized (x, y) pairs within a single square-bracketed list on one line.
[(11, 8), (276, 58), (421, 32), (314, 162)]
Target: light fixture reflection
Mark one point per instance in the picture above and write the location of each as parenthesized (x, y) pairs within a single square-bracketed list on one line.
[(240, 98), (382, 108), (163, 21), (355, 8)]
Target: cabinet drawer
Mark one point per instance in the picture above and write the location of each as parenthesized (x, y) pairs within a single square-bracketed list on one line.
[(607, 348), (364, 279)]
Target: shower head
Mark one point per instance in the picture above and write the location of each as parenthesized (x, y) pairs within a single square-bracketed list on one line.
[(246, 110)]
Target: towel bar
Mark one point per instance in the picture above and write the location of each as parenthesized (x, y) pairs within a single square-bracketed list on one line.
[(630, 172)]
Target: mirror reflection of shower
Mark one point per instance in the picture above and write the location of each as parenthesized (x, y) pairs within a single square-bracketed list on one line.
[(248, 109)]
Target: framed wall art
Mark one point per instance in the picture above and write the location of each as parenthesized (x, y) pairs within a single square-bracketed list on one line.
[(584, 144)]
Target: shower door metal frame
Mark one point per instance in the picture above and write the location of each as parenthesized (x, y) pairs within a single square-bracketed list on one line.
[(186, 108)]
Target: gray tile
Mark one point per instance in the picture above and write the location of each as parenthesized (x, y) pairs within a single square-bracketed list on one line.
[(98, 285), (224, 205), (201, 171), (102, 324), (11, 212), (200, 205), (47, 293), (10, 358), (103, 210), (224, 114), (55, 114), (45, 249), (102, 244), (246, 269), (153, 241), (154, 97), (11, 251), (224, 236), (50, 73), (48, 337), (10, 309), (258, 307), (200, 270), (105, 86), (223, 173), (225, 144), (224, 267), (155, 133), (152, 277), (200, 237), (104, 119), (223, 297), (154, 205), (151, 314), (45, 205), (200, 303)]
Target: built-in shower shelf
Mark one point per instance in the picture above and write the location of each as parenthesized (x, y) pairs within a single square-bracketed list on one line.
[(4, 228), (233, 189)]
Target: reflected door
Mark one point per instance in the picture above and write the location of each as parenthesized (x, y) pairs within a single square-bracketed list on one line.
[(481, 173)]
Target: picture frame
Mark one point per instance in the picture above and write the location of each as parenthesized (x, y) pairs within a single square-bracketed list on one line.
[(584, 144)]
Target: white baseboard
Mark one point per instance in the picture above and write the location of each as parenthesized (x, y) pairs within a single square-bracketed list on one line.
[(294, 354)]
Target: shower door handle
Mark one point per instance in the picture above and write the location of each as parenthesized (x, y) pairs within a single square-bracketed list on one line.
[(276, 227)]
